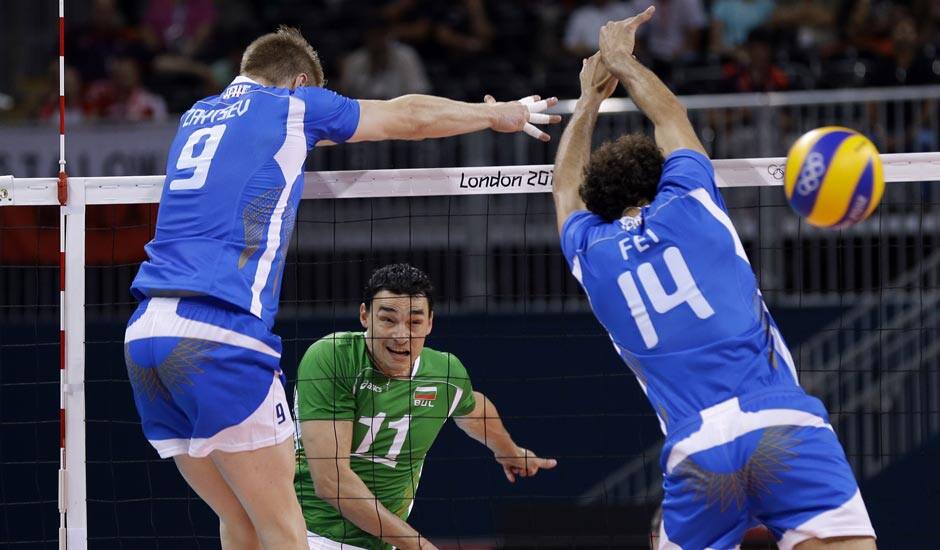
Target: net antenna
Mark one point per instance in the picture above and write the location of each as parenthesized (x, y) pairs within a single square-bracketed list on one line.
[(73, 515)]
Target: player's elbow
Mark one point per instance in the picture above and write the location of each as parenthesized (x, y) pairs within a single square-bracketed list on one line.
[(671, 112), (326, 484)]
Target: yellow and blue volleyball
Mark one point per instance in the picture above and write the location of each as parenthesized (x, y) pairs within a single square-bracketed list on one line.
[(833, 177)]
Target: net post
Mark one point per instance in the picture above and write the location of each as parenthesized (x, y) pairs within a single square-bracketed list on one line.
[(73, 508)]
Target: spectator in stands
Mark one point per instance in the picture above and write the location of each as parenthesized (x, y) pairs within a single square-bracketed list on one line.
[(733, 20), (92, 46), (807, 26), (463, 28), (122, 97), (675, 33), (753, 70), (177, 31), (909, 62), (76, 108), (584, 27), (411, 21), (382, 68), (674, 36), (178, 26)]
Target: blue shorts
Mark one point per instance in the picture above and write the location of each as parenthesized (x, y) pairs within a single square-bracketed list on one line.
[(783, 468), (206, 376)]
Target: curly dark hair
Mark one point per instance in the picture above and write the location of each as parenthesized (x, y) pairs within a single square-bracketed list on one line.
[(621, 174), (402, 279)]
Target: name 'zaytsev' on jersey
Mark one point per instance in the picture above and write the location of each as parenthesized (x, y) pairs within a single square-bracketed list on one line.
[(233, 184), (395, 422)]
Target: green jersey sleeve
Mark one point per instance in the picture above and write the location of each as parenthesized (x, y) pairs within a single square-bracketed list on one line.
[(458, 374), (326, 382)]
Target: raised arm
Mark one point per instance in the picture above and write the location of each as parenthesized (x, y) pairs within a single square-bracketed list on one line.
[(327, 444), (484, 425), (669, 117), (574, 149), (416, 116)]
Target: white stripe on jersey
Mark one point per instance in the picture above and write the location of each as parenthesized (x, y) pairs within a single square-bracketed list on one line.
[(290, 157), (161, 321), (725, 422), (453, 406), (703, 197)]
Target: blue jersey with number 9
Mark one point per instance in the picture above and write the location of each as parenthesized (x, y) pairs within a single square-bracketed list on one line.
[(674, 288), (233, 185)]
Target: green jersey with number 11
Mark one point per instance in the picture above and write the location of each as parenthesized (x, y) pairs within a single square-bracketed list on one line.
[(395, 421)]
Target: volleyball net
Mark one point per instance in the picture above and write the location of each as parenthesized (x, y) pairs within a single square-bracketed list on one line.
[(859, 307)]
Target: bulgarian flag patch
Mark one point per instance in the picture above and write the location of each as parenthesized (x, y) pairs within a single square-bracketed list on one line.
[(426, 393)]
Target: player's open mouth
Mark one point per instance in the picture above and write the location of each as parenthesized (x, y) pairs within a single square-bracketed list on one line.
[(405, 353)]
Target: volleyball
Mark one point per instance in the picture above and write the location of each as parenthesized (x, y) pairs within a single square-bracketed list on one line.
[(833, 177)]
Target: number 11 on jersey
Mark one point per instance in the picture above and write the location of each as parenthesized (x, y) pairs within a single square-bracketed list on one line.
[(687, 292)]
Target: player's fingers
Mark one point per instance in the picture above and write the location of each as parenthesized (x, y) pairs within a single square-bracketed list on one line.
[(509, 476), (547, 463), (489, 99), (642, 17), (540, 106), (535, 132), (530, 99), (541, 118)]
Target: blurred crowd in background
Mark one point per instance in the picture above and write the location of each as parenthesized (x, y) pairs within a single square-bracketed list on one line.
[(145, 60)]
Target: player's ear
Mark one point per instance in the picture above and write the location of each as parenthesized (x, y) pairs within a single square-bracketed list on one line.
[(300, 81), (364, 316)]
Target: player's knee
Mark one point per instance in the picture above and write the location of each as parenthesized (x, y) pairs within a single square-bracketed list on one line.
[(282, 531), (238, 533)]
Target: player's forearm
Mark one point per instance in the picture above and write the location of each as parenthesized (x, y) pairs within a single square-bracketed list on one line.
[(346, 492), (574, 153), (425, 116), (648, 92), (485, 426)]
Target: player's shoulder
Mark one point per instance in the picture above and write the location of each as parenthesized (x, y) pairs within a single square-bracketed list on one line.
[(317, 94), (441, 363), (338, 348)]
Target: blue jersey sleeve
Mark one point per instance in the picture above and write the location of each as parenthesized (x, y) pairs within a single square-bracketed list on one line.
[(686, 170), (328, 115), (576, 232)]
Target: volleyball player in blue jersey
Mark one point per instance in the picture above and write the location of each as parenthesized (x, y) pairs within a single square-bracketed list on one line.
[(647, 234), (201, 357)]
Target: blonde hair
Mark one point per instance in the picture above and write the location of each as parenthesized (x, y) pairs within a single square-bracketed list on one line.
[(279, 57)]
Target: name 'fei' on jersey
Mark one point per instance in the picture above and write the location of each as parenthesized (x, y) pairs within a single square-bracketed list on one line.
[(233, 184), (674, 288)]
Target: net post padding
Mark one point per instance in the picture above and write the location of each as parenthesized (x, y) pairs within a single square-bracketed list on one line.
[(73, 380)]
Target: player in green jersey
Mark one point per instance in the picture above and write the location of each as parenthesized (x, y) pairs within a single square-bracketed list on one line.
[(369, 406)]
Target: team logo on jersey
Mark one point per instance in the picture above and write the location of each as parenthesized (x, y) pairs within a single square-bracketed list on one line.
[(235, 91), (425, 396)]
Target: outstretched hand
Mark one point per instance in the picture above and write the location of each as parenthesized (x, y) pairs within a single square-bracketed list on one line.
[(597, 84), (618, 38), (524, 463), (522, 115)]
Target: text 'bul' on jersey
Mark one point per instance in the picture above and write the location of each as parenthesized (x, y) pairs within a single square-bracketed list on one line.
[(234, 178)]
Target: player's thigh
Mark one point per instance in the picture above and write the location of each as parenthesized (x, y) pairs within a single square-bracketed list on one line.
[(808, 491), (692, 515), (838, 543), (202, 475), (262, 480)]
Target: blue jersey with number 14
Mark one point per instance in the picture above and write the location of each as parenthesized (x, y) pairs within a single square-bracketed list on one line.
[(233, 184), (674, 288)]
